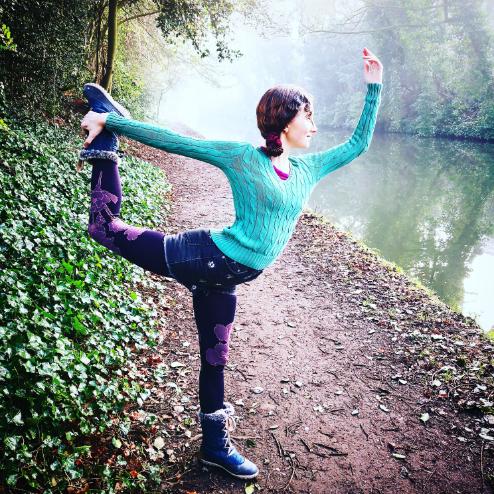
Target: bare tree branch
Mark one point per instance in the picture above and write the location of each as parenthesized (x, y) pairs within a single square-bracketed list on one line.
[(387, 28), (144, 14)]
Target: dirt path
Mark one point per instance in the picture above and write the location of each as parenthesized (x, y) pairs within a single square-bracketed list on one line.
[(335, 340)]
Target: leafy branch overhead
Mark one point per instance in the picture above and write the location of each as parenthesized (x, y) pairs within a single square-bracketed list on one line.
[(6, 41), (43, 65), (188, 20), (194, 20)]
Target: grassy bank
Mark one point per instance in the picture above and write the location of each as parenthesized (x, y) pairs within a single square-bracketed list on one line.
[(70, 319)]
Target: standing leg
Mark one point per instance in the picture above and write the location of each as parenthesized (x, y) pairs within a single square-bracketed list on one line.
[(138, 245), (214, 313)]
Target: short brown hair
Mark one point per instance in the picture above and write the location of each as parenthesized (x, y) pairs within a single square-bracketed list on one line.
[(276, 109)]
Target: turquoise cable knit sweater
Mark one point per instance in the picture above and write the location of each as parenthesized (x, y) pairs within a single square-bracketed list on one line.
[(267, 208)]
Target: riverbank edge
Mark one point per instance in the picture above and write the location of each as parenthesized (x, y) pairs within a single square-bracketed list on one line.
[(448, 346), (392, 266)]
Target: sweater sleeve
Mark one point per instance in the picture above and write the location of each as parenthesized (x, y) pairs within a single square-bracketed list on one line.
[(330, 160), (216, 153)]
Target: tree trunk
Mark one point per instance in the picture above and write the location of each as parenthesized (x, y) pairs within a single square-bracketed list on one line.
[(106, 82)]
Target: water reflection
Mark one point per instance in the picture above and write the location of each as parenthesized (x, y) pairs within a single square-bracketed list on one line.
[(426, 204)]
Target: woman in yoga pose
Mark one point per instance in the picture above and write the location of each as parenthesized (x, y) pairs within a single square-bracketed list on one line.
[(270, 189)]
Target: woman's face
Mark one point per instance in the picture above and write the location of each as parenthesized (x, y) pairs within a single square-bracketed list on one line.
[(301, 129)]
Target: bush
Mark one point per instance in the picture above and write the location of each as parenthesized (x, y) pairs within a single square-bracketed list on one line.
[(69, 319)]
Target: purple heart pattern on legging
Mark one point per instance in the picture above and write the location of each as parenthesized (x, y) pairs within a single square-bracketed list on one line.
[(101, 200), (219, 354)]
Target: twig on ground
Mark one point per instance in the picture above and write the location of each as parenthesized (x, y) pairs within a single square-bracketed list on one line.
[(328, 434), (290, 426), (482, 464), (271, 396), (284, 454), (280, 450), (363, 430), (335, 451)]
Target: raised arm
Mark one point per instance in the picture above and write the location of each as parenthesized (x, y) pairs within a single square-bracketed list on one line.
[(328, 161), (320, 164)]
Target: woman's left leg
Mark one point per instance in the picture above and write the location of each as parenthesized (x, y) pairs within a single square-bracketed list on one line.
[(214, 312), (140, 246)]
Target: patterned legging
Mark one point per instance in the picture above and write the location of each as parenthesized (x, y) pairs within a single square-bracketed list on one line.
[(214, 311)]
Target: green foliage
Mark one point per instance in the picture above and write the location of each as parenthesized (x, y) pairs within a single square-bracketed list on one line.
[(6, 41), (438, 60), (193, 20), (437, 67), (48, 61), (69, 319), (128, 83)]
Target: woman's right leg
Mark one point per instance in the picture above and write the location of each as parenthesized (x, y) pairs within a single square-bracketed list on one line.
[(140, 246)]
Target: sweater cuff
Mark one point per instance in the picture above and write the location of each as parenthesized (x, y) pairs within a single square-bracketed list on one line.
[(374, 89)]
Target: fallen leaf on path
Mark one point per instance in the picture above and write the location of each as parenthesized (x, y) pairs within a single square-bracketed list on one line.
[(249, 488), (159, 443)]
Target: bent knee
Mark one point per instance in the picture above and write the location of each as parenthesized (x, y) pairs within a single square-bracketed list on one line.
[(93, 231)]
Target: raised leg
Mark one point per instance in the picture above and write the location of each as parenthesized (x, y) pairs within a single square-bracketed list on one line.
[(138, 245)]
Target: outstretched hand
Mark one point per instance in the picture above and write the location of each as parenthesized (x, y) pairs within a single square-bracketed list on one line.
[(373, 68), (93, 123)]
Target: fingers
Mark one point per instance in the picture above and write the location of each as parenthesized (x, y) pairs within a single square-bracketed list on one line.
[(368, 52), (89, 139), (372, 64), (371, 58), (91, 126), (368, 55), (84, 123)]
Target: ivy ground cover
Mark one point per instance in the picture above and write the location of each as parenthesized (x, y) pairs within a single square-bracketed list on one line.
[(69, 318)]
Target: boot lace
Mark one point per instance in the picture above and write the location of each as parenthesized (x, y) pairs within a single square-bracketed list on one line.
[(230, 426)]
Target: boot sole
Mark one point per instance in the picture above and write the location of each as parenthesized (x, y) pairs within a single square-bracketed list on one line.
[(228, 471), (123, 111)]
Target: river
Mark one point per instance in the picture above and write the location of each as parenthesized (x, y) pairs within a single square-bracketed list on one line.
[(426, 204)]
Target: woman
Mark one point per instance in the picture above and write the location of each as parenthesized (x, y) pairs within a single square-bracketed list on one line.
[(269, 188)]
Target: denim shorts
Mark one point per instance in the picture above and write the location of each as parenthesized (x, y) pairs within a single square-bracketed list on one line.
[(194, 260)]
